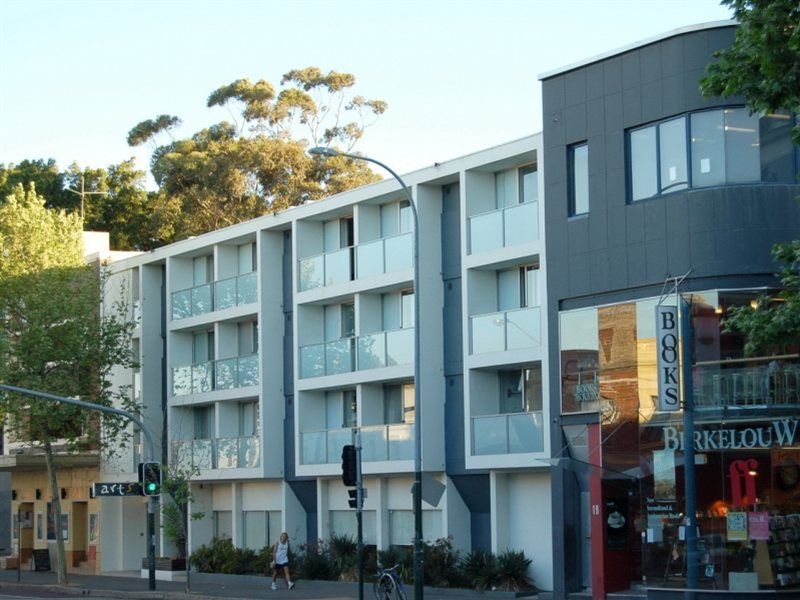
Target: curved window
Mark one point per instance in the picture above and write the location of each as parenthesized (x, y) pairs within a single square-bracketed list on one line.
[(709, 148)]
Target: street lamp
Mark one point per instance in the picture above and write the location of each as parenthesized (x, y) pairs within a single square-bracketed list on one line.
[(417, 495)]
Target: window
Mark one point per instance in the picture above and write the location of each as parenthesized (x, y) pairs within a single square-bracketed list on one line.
[(248, 338), (529, 184), (248, 419), (223, 524), (578, 165), (709, 148), (397, 310), (398, 403), (247, 258), (518, 288), (521, 390), (203, 422), (401, 526), (261, 528), (343, 523), (202, 347), (395, 218), (203, 269)]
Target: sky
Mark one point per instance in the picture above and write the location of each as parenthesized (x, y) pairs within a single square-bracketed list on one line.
[(458, 75)]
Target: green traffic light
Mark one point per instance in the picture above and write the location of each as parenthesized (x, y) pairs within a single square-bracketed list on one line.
[(151, 487)]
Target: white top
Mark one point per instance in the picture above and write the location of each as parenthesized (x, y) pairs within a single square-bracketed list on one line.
[(282, 553)]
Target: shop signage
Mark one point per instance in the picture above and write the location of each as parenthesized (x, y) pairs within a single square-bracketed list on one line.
[(778, 433), (668, 366)]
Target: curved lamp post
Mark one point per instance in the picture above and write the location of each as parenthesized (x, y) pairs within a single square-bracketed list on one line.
[(417, 497)]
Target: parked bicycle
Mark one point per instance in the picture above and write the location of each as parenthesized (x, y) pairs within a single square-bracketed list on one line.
[(388, 585)]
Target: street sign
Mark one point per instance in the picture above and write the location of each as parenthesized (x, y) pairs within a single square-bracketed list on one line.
[(133, 488)]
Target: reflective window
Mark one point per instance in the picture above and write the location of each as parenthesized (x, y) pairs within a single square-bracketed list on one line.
[(505, 188), (726, 146), (644, 163), (578, 180), (672, 150)]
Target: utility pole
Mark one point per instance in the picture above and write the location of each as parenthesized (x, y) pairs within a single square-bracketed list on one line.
[(83, 193)]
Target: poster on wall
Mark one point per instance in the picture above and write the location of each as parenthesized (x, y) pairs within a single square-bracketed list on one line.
[(758, 525), (664, 474), (737, 526), (92, 527), (617, 524)]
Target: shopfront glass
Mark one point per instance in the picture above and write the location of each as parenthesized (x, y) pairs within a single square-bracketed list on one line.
[(747, 445)]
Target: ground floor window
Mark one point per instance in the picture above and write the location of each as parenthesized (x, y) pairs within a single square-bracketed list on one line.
[(261, 528), (344, 523), (223, 524), (401, 526)]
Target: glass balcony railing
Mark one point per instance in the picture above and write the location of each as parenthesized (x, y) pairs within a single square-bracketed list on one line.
[(371, 351), (223, 374), (385, 255), (225, 293), (506, 330), (746, 384), (379, 256), (512, 433), (220, 453), (330, 268), (504, 227), (379, 442)]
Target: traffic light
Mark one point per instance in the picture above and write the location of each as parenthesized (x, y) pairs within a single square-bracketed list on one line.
[(353, 501), (150, 478), (349, 472)]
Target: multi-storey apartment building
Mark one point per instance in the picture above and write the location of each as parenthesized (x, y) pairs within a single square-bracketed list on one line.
[(646, 180), (268, 342)]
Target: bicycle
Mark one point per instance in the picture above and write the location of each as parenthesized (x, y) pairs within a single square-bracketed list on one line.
[(388, 585)]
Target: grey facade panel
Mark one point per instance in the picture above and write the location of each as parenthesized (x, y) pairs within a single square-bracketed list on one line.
[(622, 250)]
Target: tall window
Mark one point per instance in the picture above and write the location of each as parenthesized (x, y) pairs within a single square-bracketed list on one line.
[(518, 288), (529, 184), (709, 148), (521, 390), (398, 403), (578, 164)]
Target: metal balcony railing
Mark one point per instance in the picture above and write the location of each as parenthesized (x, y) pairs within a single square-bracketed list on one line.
[(371, 351), (765, 382)]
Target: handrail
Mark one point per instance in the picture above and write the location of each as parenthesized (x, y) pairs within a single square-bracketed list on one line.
[(501, 209)]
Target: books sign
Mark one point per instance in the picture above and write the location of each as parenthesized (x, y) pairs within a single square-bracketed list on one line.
[(668, 366)]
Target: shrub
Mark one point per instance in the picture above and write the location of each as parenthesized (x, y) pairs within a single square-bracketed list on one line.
[(480, 569), (512, 568), (314, 561), (211, 558), (403, 556), (442, 564), (344, 557)]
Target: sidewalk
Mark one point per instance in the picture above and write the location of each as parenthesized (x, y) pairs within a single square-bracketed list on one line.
[(210, 586)]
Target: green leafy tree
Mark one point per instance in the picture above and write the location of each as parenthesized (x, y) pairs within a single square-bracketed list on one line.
[(55, 336), (175, 512), (44, 175), (257, 162), (763, 67)]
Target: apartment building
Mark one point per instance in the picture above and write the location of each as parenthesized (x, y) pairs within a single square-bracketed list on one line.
[(268, 342), (646, 181)]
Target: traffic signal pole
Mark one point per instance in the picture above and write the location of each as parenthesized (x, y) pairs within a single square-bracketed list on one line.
[(359, 513), (152, 500)]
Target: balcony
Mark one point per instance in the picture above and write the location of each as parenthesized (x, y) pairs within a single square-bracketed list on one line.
[(222, 374), (764, 383), (371, 351), (219, 453), (504, 227), (506, 330), (225, 293), (512, 433), (378, 442), (377, 257), (385, 255)]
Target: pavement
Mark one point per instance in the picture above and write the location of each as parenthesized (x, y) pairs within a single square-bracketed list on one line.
[(128, 585)]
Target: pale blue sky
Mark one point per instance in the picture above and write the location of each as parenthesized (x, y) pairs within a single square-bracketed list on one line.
[(459, 75)]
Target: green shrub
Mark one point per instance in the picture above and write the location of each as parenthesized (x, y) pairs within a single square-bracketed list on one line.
[(314, 562), (344, 557), (480, 570), (442, 564), (403, 556), (211, 558), (512, 568)]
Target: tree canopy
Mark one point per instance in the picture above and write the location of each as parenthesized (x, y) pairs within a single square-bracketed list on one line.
[(256, 162), (763, 64), (763, 67), (54, 336)]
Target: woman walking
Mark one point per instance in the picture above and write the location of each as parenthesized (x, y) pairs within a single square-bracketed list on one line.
[(280, 554)]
